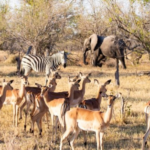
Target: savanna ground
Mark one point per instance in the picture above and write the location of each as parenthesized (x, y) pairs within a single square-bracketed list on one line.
[(120, 135)]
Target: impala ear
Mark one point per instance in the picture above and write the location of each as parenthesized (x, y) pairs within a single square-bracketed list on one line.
[(38, 85), (69, 78), (50, 85), (80, 74), (107, 82), (78, 81), (96, 82), (89, 74), (11, 81)]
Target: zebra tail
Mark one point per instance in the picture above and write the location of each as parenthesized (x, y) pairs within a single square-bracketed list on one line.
[(29, 49)]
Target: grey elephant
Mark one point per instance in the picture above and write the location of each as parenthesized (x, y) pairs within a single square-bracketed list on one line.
[(102, 47)]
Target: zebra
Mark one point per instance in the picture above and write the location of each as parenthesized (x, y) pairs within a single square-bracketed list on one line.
[(43, 64)]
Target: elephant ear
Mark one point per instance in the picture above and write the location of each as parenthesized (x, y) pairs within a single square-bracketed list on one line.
[(94, 40)]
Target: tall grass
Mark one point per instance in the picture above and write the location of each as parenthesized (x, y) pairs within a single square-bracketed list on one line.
[(123, 134)]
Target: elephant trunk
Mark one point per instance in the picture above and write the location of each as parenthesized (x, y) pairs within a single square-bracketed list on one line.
[(123, 62)]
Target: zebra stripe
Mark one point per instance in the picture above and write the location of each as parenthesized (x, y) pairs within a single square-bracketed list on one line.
[(40, 63)]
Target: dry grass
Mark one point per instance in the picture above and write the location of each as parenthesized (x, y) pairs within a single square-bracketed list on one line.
[(120, 135)]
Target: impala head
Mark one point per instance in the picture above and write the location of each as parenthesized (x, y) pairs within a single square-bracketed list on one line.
[(7, 84), (44, 89), (52, 79), (73, 79), (102, 88), (55, 74), (85, 78), (24, 80), (74, 84), (111, 99)]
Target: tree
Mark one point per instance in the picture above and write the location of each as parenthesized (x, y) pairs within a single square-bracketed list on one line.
[(134, 22), (39, 23)]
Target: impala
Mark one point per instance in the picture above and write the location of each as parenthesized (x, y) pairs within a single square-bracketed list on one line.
[(31, 92), (95, 103), (79, 94), (147, 115), (40, 108), (15, 97), (1, 87), (82, 119), (77, 98), (5, 86), (57, 107)]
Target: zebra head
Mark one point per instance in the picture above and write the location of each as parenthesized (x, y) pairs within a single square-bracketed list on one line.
[(63, 57)]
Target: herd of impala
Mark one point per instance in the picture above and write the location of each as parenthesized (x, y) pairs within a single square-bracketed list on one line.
[(69, 108)]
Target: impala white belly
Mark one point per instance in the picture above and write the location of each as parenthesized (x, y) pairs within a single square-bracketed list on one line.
[(55, 110), (86, 125), (8, 101)]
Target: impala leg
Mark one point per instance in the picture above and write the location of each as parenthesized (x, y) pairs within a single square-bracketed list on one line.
[(74, 137), (98, 139), (21, 108), (39, 125), (52, 121), (17, 111), (64, 136), (14, 114), (32, 125), (56, 124), (147, 132), (101, 140), (47, 114), (85, 138), (32, 101), (145, 138), (26, 114)]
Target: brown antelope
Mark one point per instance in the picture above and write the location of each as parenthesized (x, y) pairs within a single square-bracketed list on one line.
[(31, 92), (2, 87), (40, 108), (58, 107), (37, 90), (147, 115), (6, 86), (15, 97), (95, 103), (79, 94), (82, 119)]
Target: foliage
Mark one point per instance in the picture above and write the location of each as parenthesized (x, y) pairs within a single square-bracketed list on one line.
[(39, 23), (64, 24), (4, 10), (134, 22)]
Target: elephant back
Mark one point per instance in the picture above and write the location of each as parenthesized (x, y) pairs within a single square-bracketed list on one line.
[(109, 46)]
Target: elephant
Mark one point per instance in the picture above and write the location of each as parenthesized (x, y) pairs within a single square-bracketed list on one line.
[(102, 47)]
